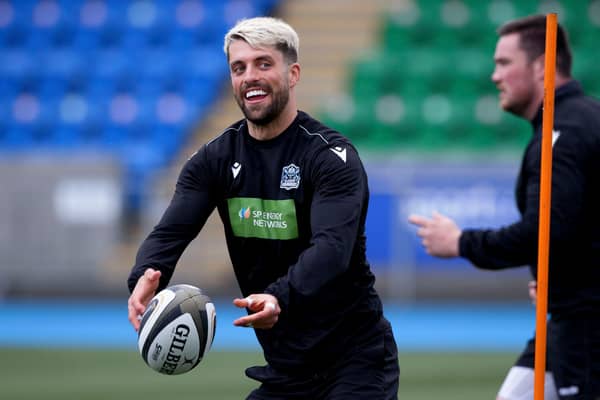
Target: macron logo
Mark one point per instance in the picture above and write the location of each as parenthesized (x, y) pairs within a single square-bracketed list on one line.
[(338, 151), (236, 169), (568, 391), (555, 136)]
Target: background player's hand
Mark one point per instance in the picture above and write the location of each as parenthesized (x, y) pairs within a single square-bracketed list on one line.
[(264, 309), (440, 234), (144, 290), (533, 291)]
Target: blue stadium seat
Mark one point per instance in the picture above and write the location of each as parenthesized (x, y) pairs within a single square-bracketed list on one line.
[(14, 34), (112, 63), (16, 137), (17, 62), (63, 63), (72, 57)]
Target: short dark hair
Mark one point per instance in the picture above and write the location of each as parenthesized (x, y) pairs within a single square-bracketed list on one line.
[(532, 38)]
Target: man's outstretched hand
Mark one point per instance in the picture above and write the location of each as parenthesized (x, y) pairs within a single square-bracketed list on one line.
[(143, 292), (265, 311)]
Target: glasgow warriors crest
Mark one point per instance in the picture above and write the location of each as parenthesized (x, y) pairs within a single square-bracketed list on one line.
[(290, 177)]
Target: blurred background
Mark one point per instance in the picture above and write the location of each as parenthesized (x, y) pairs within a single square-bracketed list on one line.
[(102, 101)]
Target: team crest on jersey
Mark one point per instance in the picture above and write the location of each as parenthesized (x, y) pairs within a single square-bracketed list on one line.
[(290, 177)]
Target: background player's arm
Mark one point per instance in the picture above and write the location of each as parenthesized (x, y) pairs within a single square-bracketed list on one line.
[(516, 244)]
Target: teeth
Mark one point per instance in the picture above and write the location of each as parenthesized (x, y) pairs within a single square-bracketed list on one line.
[(257, 92)]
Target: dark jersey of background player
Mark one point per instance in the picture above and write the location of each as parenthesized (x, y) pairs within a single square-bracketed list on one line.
[(574, 280), (294, 210), (574, 275)]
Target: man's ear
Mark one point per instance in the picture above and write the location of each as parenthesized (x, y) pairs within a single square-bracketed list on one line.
[(539, 68), (294, 74)]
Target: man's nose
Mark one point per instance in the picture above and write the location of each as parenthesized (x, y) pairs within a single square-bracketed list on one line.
[(495, 77), (251, 74)]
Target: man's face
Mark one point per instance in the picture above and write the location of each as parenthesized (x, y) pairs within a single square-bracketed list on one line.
[(260, 80), (514, 76)]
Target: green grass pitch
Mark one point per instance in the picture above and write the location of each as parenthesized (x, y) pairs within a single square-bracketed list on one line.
[(43, 374)]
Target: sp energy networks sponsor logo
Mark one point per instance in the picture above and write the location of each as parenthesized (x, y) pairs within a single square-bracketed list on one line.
[(264, 219), (245, 213)]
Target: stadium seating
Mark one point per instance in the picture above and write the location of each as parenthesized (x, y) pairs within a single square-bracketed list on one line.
[(434, 62), (129, 78)]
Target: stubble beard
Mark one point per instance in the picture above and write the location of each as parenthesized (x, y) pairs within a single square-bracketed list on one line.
[(517, 107), (264, 115)]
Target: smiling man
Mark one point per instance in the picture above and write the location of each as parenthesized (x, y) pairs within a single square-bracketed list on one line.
[(293, 196), (573, 352)]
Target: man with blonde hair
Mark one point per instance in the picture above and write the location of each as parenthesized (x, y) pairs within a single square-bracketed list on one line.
[(292, 195)]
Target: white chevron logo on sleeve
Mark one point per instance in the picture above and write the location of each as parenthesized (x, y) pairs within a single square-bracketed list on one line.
[(338, 151), (235, 169), (555, 135)]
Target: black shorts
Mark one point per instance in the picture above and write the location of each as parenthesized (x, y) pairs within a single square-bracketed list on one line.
[(370, 371), (573, 355)]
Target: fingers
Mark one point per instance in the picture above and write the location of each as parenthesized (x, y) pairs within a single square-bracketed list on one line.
[(264, 319), (142, 293), (418, 220), (243, 303), (440, 235), (422, 221), (152, 275), (532, 286), (266, 311), (135, 311)]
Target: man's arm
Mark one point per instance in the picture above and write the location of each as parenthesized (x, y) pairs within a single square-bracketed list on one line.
[(338, 199), (188, 211), (516, 244)]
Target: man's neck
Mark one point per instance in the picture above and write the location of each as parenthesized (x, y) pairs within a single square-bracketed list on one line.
[(273, 128), (559, 80)]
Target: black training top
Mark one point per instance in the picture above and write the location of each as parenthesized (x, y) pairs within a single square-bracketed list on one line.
[(574, 265), (294, 211)]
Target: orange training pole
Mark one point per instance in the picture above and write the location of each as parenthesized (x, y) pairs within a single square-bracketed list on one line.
[(544, 215)]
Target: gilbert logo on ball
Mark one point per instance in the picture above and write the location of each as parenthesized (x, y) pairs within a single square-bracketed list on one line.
[(177, 329)]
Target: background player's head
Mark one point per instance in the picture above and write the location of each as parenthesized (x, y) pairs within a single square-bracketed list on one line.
[(262, 54), (532, 35), (519, 59)]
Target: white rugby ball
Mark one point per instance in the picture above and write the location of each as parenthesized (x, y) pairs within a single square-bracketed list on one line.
[(177, 329)]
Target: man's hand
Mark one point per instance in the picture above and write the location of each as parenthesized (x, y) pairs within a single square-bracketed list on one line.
[(143, 292), (265, 309), (440, 234), (533, 291)]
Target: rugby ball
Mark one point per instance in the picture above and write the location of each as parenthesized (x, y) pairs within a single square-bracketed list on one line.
[(177, 329)]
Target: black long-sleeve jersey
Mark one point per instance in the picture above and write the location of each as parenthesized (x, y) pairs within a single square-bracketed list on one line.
[(294, 211), (574, 260)]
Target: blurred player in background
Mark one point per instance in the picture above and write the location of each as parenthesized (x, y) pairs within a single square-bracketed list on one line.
[(293, 196), (574, 282)]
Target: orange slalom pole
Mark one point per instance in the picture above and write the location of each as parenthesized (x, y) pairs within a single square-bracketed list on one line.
[(544, 215)]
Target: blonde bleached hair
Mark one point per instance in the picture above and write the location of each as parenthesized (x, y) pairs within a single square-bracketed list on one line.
[(265, 32)]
